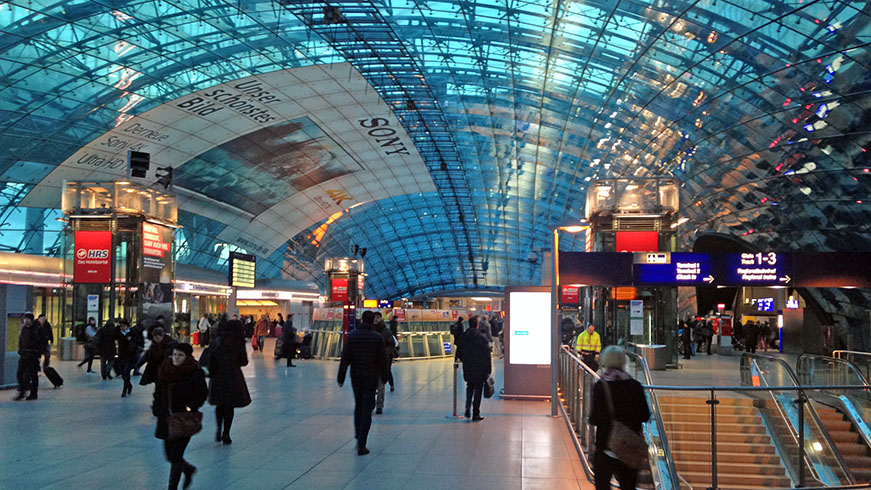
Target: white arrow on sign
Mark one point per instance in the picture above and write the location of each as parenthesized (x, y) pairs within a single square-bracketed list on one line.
[(709, 279), (785, 279)]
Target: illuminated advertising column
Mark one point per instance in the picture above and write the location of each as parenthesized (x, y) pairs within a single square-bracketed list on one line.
[(528, 343), (156, 274)]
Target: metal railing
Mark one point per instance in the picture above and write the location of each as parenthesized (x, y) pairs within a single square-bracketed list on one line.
[(576, 381), (862, 360), (809, 451), (831, 371), (816, 450)]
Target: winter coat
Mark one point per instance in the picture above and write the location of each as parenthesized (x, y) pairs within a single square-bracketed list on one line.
[(474, 350), (28, 341), (105, 340), (154, 356), (289, 340), (186, 389), (127, 349), (262, 328), (227, 385), (365, 354), (630, 406)]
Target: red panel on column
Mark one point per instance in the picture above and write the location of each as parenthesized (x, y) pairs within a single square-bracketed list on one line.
[(339, 290), (93, 262), (637, 241)]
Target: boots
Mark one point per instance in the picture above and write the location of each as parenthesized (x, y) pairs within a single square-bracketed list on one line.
[(188, 471), (175, 470)]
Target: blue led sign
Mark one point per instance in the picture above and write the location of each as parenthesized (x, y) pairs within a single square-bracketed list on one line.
[(681, 269), (763, 268)]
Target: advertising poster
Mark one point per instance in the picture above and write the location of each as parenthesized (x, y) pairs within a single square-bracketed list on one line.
[(570, 295), (339, 290), (400, 315), (267, 155), (92, 260), (156, 253), (414, 315)]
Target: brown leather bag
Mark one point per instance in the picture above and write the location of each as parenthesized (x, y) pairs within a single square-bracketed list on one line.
[(629, 446), (182, 424)]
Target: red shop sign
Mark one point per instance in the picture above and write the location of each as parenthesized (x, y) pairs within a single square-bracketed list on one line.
[(571, 295), (339, 290)]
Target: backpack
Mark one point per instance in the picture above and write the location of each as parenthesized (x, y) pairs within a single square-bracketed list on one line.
[(457, 329), (79, 333)]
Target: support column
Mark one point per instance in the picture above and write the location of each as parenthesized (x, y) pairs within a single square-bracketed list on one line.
[(34, 231)]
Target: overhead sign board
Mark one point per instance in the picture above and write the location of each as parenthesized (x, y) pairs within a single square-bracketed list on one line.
[(755, 269), (243, 269), (684, 269)]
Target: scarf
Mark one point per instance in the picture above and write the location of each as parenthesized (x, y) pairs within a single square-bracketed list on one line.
[(611, 374), (170, 373)]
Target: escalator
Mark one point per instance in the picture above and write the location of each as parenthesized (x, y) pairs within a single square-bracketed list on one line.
[(844, 412)]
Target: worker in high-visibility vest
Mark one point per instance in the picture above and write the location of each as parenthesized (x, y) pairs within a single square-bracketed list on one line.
[(589, 345)]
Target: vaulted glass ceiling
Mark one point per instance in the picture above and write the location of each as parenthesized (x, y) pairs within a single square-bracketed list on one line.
[(759, 108)]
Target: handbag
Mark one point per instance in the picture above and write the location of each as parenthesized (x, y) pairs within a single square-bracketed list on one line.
[(182, 424), (629, 446), (489, 387), (254, 342)]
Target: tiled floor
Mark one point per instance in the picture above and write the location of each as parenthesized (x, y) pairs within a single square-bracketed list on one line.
[(297, 434)]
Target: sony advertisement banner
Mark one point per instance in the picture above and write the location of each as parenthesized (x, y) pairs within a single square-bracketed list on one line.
[(267, 155), (92, 257)]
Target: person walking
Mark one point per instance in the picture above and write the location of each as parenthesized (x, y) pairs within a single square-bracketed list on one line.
[(46, 338), (128, 350), (616, 396), (708, 333), (90, 345), (155, 355), (289, 341), (473, 350), (261, 330), (138, 340), (589, 345), (387, 337), (751, 336), (29, 352), (364, 354), (227, 388), (181, 386), (203, 327), (105, 340), (686, 340)]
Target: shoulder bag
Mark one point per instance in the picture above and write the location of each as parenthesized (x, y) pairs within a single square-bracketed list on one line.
[(489, 387), (182, 424), (629, 446)]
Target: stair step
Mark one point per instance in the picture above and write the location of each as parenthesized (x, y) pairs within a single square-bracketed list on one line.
[(674, 435), (724, 467), (722, 428), (693, 445), (749, 418), (736, 457), (697, 478)]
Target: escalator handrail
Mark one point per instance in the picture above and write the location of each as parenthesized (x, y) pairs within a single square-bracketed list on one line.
[(810, 410), (849, 364), (845, 401)]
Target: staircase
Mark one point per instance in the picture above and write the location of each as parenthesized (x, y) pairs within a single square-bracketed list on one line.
[(851, 446), (746, 458)]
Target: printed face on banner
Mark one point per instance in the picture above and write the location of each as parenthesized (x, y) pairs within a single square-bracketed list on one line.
[(93, 258)]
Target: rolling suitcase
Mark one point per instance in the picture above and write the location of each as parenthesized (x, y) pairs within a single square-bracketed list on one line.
[(279, 344), (54, 377)]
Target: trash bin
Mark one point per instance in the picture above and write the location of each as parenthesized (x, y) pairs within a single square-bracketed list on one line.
[(70, 350), (655, 355)]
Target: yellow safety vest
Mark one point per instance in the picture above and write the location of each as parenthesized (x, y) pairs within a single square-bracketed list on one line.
[(589, 343)]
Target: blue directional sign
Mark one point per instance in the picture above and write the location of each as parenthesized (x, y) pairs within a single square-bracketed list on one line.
[(752, 269), (688, 269)]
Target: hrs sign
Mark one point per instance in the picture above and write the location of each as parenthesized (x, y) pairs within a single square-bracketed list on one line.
[(385, 136)]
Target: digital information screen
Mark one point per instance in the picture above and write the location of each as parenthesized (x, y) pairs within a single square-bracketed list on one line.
[(242, 270), (673, 268), (529, 314)]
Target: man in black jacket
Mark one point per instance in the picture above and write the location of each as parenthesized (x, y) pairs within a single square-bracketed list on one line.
[(29, 350), (473, 349), (364, 353)]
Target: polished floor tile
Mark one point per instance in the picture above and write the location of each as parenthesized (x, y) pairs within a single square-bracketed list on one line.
[(297, 434)]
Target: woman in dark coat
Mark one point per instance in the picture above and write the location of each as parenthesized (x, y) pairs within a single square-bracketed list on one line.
[(227, 387), (181, 386), (288, 341), (155, 355), (630, 408), (474, 350)]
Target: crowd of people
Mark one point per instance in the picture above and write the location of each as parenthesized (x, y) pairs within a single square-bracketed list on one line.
[(696, 335), (180, 387)]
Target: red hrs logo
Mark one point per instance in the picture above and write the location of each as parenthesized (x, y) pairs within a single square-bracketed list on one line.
[(84, 253)]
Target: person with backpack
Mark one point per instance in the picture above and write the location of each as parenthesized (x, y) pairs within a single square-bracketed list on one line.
[(90, 346), (457, 330)]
